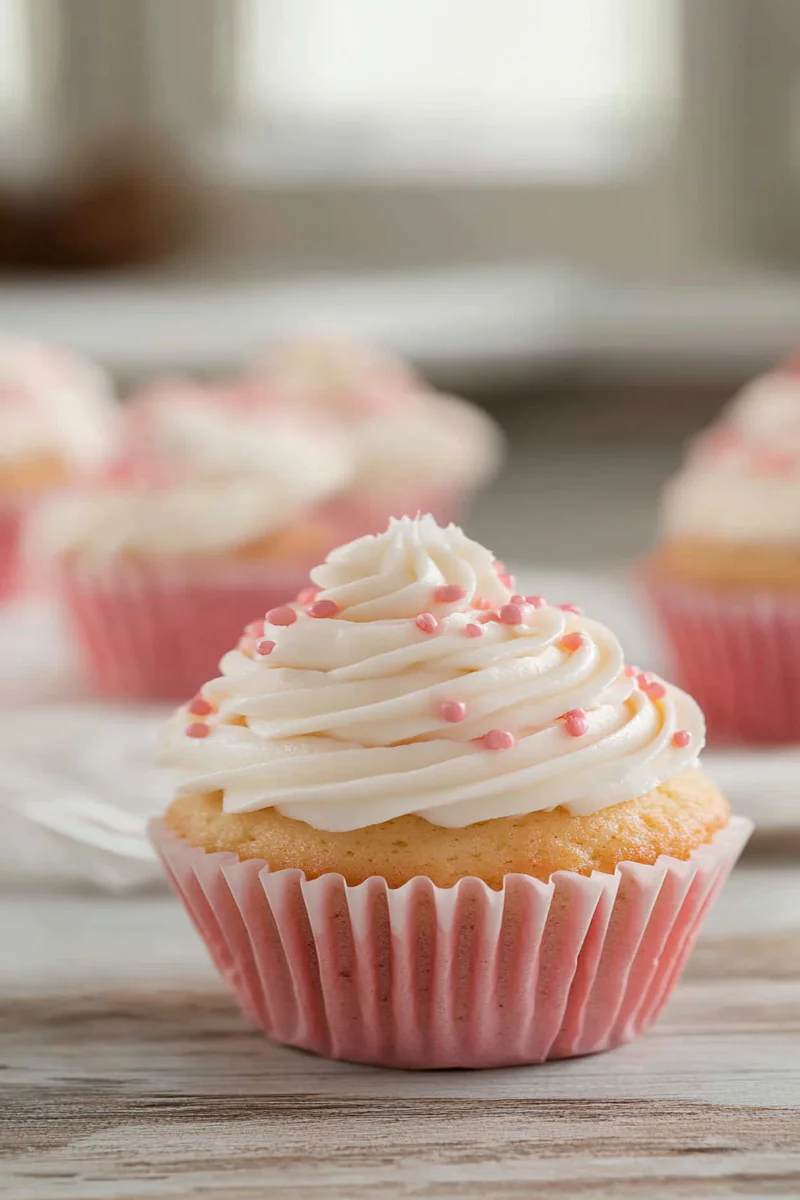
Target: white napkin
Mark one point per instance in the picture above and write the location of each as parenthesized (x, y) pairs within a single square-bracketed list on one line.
[(78, 788)]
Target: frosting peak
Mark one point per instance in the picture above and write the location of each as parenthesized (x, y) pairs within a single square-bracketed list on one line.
[(399, 688), (397, 573)]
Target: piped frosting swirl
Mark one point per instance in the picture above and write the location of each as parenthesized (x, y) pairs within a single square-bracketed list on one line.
[(497, 706)]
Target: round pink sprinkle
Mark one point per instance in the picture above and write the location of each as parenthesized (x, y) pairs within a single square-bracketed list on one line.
[(681, 738), (473, 630), (499, 739), (282, 616), (576, 724), (536, 601), (572, 608), (644, 679), (517, 599), (449, 593), (426, 622), (197, 729), (508, 581), (452, 710), (630, 671), (573, 641), (323, 608), (656, 690), (200, 707), (512, 614), (255, 629), (265, 647), (307, 595)]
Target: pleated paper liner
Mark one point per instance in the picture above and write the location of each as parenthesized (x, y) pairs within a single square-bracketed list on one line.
[(738, 654), (428, 977), (157, 632)]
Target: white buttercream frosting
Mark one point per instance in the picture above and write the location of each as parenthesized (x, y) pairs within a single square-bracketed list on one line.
[(221, 471), (741, 478), (53, 403), (403, 434), (342, 725)]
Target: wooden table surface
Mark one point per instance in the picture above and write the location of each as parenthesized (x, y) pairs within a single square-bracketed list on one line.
[(126, 1072)]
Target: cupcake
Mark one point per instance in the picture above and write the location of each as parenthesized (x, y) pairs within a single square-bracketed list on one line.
[(424, 821), (725, 579), (212, 514), (415, 450), (57, 421)]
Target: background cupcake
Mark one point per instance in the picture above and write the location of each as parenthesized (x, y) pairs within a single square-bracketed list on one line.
[(414, 449), (424, 821), (57, 422), (726, 576), (213, 514)]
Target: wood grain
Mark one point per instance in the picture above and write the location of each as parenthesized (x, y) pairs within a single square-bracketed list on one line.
[(151, 1085)]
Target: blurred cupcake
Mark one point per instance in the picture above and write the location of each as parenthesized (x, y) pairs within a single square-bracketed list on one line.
[(726, 577), (57, 421), (212, 516), (415, 450), (425, 822)]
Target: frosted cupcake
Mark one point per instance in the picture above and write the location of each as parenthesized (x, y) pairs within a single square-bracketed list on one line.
[(57, 421), (213, 515), (423, 821), (415, 450), (726, 577)]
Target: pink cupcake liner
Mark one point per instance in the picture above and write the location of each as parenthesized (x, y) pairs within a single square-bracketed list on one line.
[(11, 523), (158, 632), (738, 655), (428, 977)]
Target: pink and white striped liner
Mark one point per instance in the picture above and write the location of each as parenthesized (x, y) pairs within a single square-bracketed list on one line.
[(428, 977), (738, 654), (157, 632)]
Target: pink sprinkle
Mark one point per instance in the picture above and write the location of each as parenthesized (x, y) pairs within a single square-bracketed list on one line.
[(265, 647), (426, 622), (656, 690), (681, 738), (473, 630), (512, 614), (576, 724), (508, 581), (499, 739), (536, 601), (571, 608), (449, 593), (282, 616), (573, 641), (200, 707), (452, 710), (517, 599), (630, 671), (482, 603), (323, 608), (308, 595), (644, 679), (197, 730), (255, 629)]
